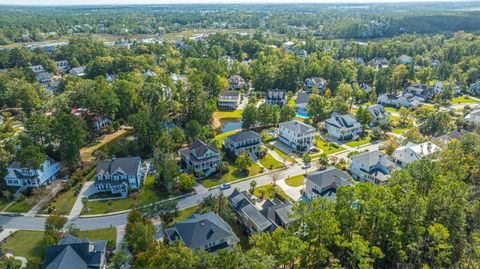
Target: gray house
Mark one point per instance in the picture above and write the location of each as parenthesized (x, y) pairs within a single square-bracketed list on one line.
[(245, 142), (75, 253), (315, 83), (229, 100), (276, 97), (78, 71), (278, 212), (201, 157), (248, 214), (325, 183), (119, 174), (203, 232), (379, 114), (374, 166)]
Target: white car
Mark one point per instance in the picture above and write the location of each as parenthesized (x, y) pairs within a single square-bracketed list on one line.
[(225, 186)]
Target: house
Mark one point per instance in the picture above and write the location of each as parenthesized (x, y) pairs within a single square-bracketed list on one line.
[(245, 142), (201, 157), (37, 69), (118, 175), (27, 177), (99, 122), (236, 82), (365, 87), (276, 97), (78, 71), (75, 253), (203, 232), (44, 78), (248, 214), (149, 74), (111, 78), (413, 152), (378, 62), (288, 44), (473, 118), (315, 83), (229, 100), (62, 66), (397, 101), (475, 87), (405, 59), (278, 212), (379, 114), (301, 104), (297, 135), (421, 92), (325, 183), (343, 127), (374, 166), (443, 140)]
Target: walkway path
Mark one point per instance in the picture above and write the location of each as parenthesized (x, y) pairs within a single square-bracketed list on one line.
[(6, 233), (23, 260)]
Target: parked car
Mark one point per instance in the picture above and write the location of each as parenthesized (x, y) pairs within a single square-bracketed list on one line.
[(225, 186)]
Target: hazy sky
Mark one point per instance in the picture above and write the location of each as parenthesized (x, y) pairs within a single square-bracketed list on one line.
[(104, 2)]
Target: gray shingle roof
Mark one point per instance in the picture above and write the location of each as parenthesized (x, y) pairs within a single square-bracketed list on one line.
[(240, 203), (297, 126), (345, 120), (328, 177), (129, 165), (243, 136), (302, 99), (377, 110), (229, 95), (200, 230), (372, 158)]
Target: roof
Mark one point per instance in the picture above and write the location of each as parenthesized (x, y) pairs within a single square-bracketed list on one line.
[(239, 202), (78, 70), (244, 135), (297, 126), (317, 80), (329, 176), (372, 158), (278, 212), (229, 95), (423, 149), (200, 230), (129, 165), (342, 121), (302, 99), (198, 149), (377, 110), (75, 253), (18, 165)]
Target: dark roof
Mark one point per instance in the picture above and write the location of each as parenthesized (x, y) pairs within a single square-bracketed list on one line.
[(297, 126), (129, 165), (278, 212), (198, 149), (345, 120), (239, 202), (329, 176), (243, 136), (75, 253), (200, 230)]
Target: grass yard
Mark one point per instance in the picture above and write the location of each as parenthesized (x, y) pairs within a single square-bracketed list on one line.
[(232, 175), (270, 163), (185, 213), (22, 206), (464, 100), (25, 243), (219, 138), (109, 234), (399, 130), (64, 202), (284, 156), (357, 143), (270, 192), (147, 195), (295, 181), (228, 114), (291, 102), (328, 147), (391, 109), (86, 152), (3, 203)]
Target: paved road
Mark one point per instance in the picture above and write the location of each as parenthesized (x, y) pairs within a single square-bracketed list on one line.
[(37, 223)]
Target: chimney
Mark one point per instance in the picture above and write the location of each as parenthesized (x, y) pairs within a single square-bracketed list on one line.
[(114, 157)]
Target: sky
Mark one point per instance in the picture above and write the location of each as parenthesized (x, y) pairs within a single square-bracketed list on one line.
[(118, 2)]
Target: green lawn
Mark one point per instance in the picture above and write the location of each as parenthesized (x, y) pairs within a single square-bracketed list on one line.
[(391, 109), (185, 213), (22, 206), (270, 163), (291, 102), (463, 100), (147, 195), (3, 203), (232, 175), (64, 202), (270, 192), (360, 142), (295, 181), (328, 147), (25, 243), (399, 130), (219, 138), (228, 114), (284, 156), (109, 234)]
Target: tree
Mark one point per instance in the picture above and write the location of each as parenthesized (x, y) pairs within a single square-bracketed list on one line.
[(186, 182), (31, 157), (69, 132), (390, 146), (306, 159), (165, 211), (139, 232), (253, 184), (287, 113), (243, 162), (85, 203), (53, 226), (318, 107), (119, 259), (364, 116), (249, 117), (193, 129)]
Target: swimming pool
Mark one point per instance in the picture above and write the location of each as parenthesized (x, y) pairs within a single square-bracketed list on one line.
[(303, 115)]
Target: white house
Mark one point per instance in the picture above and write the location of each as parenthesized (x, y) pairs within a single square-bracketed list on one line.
[(201, 157), (379, 114), (118, 175), (78, 71), (316, 82), (276, 97), (413, 152), (343, 127), (62, 66), (236, 82), (296, 134), (405, 59), (397, 101), (374, 166), (37, 69), (325, 183), (21, 176), (229, 100), (245, 142)]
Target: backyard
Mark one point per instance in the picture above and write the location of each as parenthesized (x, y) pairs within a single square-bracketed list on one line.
[(86, 152), (359, 142), (269, 191), (327, 147), (145, 196), (220, 116)]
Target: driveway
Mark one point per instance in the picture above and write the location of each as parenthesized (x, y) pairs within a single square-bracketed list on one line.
[(87, 190)]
